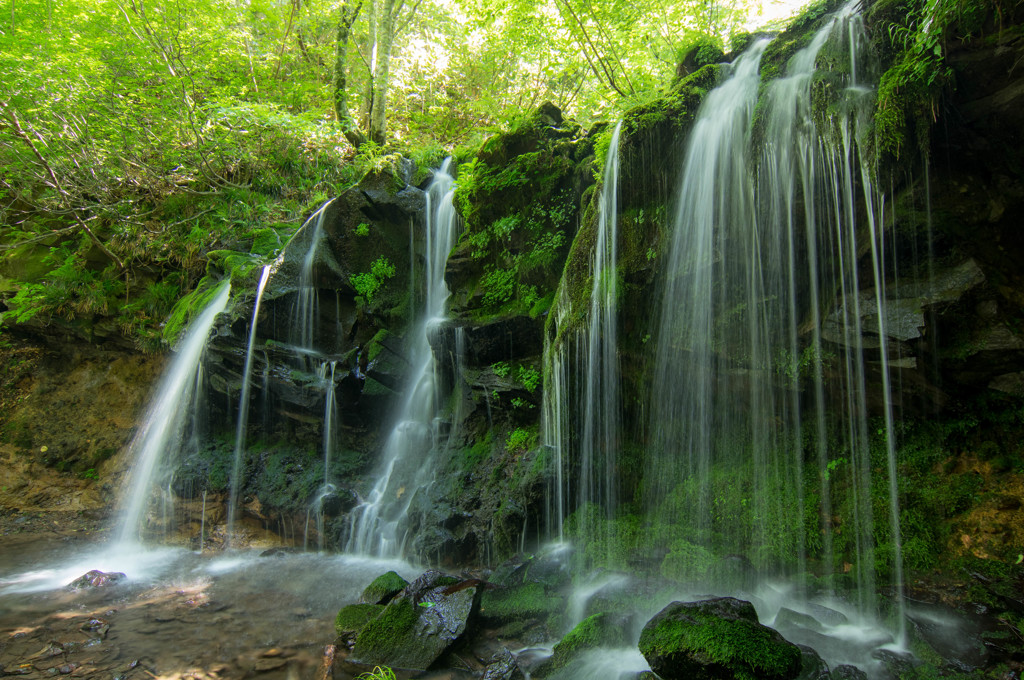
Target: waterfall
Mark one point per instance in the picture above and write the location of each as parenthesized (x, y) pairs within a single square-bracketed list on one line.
[(165, 427), (584, 376), (379, 524), (243, 406), (306, 308), (762, 309)]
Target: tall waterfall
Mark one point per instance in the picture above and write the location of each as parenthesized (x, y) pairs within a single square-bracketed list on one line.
[(379, 525), (773, 212), (582, 402), (167, 423)]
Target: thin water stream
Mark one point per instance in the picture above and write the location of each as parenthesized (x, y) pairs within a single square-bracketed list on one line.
[(243, 405)]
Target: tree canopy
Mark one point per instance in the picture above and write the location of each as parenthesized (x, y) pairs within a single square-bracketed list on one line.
[(135, 136)]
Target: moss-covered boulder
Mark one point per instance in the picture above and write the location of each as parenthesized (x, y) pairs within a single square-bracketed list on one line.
[(414, 630), (717, 638), (383, 588), (599, 630), (351, 619)]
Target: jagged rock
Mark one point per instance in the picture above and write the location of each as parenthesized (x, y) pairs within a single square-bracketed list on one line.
[(96, 579), (503, 667), (813, 667), (716, 638), (847, 672), (826, 615), (788, 617), (383, 588), (418, 626), (898, 665), (426, 582)]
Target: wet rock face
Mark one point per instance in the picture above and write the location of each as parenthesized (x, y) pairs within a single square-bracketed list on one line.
[(717, 638), (67, 410)]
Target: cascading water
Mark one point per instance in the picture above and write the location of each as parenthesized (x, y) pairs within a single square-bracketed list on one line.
[(379, 524), (773, 212), (165, 427), (243, 405), (307, 300), (584, 377)]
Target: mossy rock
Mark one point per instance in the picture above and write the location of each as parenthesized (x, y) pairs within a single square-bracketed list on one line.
[(351, 619), (599, 630), (717, 638), (383, 588), (413, 634)]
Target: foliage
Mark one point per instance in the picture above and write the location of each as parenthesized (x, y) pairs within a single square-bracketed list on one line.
[(919, 34), (368, 283), (521, 439), (378, 673)]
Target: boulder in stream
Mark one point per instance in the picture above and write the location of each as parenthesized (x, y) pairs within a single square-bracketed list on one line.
[(418, 625), (599, 630), (716, 638), (96, 579)]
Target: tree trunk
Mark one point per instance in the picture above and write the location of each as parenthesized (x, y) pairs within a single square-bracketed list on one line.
[(346, 18), (382, 70)]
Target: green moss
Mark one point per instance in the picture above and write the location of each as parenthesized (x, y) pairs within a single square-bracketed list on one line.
[(599, 630), (351, 619), (745, 647), (265, 242), (512, 604), (376, 639), (471, 457), (383, 588), (190, 306), (687, 562)]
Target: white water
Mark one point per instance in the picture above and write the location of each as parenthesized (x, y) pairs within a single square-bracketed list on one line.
[(165, 426), (243, 406), (767, 235), (582, 402), (306, 310), (379, 525)]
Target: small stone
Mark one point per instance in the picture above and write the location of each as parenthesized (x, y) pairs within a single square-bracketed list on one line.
[(263, 665)]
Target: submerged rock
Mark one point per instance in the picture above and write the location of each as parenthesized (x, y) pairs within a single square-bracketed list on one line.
[(96, 579), (717, 638)]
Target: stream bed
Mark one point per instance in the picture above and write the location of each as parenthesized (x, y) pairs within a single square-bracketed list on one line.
[(178, 614)]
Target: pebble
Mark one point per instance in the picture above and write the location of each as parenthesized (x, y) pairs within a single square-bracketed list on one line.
[(263, 665)]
